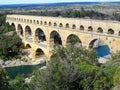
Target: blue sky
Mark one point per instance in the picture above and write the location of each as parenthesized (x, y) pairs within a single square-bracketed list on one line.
[(46, 1)]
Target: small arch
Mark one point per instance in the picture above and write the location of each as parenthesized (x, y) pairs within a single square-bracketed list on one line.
[(73, 26), (110, 31), (50, 23), (90, 28), (30, 21), (81, 27), (74, 40), (41, 22), (37, 22), (39, 53), (27, 20), (24, 20), (28, 46), (55, 24), (60, 25), (34, 21), (45, 23), (119, 33), (67, 25), (100, 30), (55, 39)]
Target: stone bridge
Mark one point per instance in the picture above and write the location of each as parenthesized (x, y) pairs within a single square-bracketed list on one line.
[(41, 33)]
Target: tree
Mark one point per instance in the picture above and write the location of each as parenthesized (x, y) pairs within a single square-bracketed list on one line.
[(10, 45), (71, 69), (4, 85)]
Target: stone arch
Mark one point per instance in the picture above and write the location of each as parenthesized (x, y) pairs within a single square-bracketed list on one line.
[(28, 46), (39, 35), (100, 30), (20, 29), (73, 40), (50, 23), (60, 25), (55, 24), (28, 33), (81, 27), (27, 20), (45, 23), (55, 39), (34, 21), (110, 31), (24, 20), (41, 22), (30, 21), (39, 53), (100, 46), (90, 28), (37, 21), (73, 26), (119, 33), (67, 25), (13, 27)]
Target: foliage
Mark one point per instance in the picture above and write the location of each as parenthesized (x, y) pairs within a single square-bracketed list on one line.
[(72, 69), (10, 45), (4, 85), (116, 77), (19, 83)]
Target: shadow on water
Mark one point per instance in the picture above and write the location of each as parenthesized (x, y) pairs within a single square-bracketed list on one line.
[(102, 51), (25, 69)]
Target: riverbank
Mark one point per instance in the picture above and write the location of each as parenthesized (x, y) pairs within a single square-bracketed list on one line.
[(19, 62), (104, 59)]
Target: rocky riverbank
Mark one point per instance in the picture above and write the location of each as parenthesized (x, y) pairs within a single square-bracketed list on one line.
[(19, 62), (104, 59)]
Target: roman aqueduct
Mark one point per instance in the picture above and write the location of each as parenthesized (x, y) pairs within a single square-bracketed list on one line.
[(39, 33)]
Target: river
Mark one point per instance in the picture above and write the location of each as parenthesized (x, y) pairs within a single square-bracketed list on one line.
[(27, 69)]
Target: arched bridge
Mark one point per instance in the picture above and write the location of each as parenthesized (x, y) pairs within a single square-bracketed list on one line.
[(41, 33)]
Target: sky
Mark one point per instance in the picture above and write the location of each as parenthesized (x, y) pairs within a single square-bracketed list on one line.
[(47, 1)]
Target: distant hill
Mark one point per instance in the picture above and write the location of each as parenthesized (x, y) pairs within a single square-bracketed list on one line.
[(51, 4)]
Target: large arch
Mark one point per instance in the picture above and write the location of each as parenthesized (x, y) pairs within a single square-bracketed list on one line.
[(74, 40), (100, 47), (39, 35), (13, 26), (28, 34), (20, 30), (55, 39)]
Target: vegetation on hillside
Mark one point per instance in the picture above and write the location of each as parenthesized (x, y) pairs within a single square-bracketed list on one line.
[(75, 69), (10, 43)]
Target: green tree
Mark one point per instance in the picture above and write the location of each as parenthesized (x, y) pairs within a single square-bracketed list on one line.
[(4, 85), (71, 69), (10, 45)]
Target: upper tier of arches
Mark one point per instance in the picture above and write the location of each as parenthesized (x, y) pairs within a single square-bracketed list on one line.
[(86, 26)]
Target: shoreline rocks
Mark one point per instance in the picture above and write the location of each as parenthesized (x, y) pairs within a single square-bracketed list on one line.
[(19, 62)]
